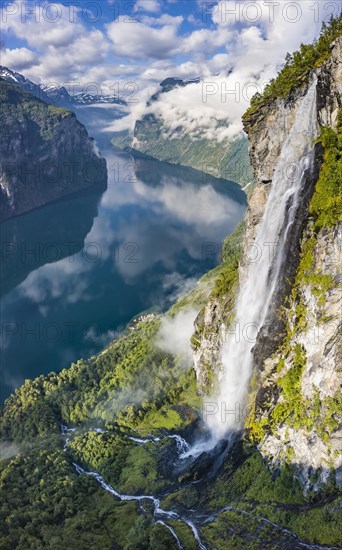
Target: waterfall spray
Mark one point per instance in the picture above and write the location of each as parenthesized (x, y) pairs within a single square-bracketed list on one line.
[(264, 275)]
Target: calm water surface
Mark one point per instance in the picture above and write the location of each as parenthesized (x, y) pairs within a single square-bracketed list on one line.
[(74, 273)]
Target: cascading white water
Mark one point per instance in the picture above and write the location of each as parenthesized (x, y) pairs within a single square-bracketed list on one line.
[(159, 513), (262, 278)]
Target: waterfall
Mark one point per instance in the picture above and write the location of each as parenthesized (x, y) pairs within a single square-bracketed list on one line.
[(254, 301)]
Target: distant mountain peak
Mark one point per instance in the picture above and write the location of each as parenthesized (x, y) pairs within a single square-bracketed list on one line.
[(84, 98), (57, 93), (175, 81), (169, 84), (23, 83)]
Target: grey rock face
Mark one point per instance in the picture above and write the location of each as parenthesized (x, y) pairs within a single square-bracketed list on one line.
[(321, 376), (45, 153), (267, 130)]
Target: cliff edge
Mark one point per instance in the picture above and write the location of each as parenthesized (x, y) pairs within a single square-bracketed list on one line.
[(46, 154)]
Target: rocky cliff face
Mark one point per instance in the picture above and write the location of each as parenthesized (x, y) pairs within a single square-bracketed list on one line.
[(298, 420), (227, 159), (45, 153), (294, 404), (268, 127)]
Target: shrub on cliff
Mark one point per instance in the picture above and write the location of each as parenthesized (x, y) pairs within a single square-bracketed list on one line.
[(298, 66)]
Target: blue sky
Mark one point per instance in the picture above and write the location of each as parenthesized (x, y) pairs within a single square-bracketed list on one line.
[(181, 16), (235, 46)]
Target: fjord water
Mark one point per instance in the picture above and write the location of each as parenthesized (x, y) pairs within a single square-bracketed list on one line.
[(264, 276), (77, 271)]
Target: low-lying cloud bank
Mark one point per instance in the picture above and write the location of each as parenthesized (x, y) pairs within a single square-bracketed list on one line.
[(8, 450), (252, 39), (234, 46), (175, 333)]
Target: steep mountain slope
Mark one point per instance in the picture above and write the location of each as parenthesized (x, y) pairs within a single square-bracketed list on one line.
[(24, 83), (57, 94), (298, 401), (294, 402), (130, 407), (46, 153), (226, 159)]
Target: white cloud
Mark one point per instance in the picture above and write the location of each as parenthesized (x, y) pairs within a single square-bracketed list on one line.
[(137, 110), (195, 21), (205, 40), (253, 56), (66, 48), (178, 285), (243, 42), (137, 40), (31, 23), (164, 19), (89, 48), (175, 333), (19, 59), (159, 70), (69, 63), (8, 450), (152, 6)]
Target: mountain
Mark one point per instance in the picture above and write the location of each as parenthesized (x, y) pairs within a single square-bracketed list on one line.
[(91, 99), (57, 95), (227, 159), (294, 356), (23, 83), (46, 153), (115, 450), (171, 83), (298, 392), (60, 96)]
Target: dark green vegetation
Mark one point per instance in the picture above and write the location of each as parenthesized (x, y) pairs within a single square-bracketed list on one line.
[(289, 407), (298, 66), (46, 153), (255, 497), (228, 159), (134, 388), (326, 203), (23, 107), (133, 385), (45, 504)]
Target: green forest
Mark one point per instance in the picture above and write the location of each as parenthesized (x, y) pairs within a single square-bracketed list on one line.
[(116, 415)]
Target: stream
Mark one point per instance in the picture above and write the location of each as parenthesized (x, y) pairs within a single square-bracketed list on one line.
[(279, 218), (160, 516), (159, 513)]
